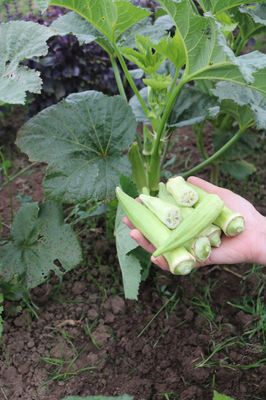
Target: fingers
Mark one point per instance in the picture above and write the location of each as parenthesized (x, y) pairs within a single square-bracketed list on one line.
[(160, 262), (140, 239), (128, 222), (226, 195), (209, 187)]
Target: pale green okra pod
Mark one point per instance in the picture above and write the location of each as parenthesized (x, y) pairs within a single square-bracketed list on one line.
[(180, 261), (168, 214)]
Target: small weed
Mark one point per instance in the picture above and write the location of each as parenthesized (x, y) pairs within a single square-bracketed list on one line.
[(217, 348), (63, 370), (88, 329), (203, 304), (257, 308)]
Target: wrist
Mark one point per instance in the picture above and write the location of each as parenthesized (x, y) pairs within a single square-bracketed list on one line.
[(259, 254)]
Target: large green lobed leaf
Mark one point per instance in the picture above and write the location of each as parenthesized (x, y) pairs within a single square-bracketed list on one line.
[(129, 264), (83, 139), (110, 17), (218, 6), (20, 40), (40, 242)]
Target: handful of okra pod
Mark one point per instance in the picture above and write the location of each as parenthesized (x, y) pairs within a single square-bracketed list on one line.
[(184, 222)]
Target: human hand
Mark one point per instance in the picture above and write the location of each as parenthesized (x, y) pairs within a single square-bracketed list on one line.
[(249, 246)]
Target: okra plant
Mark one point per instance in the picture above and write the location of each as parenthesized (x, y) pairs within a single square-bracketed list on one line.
[(189, 57)]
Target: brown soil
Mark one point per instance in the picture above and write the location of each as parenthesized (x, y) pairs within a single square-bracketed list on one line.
[(88, 340)]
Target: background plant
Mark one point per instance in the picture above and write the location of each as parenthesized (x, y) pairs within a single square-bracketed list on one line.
[(188, 57)]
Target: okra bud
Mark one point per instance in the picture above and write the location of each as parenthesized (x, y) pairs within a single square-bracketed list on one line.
[(183, 194), (201, 217), (138, 170), (180, 261), (169, 214)]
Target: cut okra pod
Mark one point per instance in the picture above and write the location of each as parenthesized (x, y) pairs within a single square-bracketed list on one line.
[(231, 223), (201, 217), (180, 261), (183, 194), (168, 214)]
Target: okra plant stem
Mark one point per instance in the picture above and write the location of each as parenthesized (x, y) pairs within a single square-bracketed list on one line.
[(217, 154), (117, 75), (131, 81), (154, 177)]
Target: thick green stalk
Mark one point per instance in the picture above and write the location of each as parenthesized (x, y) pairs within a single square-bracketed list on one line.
[(154, 169), (199, 132), (118, 79), (131, 81), (138, 168), (217, 154)]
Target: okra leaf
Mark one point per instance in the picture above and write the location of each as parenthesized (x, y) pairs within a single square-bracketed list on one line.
[(83, 139), (219, 396), (207, 54), (20, 40), (218, 6), (110, 17), (41, 4), (238, 169), (242, 114), (192, 107), (155, 31), (244, 96), (1, 313), (76, 25), (256, 12), (72, 23), (129, 264), (40, 243)]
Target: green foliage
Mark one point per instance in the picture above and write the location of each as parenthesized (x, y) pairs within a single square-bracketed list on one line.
[(180, 56), (40, 243), (20, 40), (130, 265), (110, 18), (243, 96), (219, 396), (78, 26), (83, 139), (218, 6), (1, 313)]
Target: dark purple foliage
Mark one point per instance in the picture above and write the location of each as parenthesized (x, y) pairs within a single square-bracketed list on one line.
[(69, 68)]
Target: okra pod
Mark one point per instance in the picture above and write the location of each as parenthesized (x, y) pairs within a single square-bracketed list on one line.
[(138, 170), (183, 194), (180, 261), (200, 247), (231, 223), (165, 195), (168, 214), (201, 217)]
